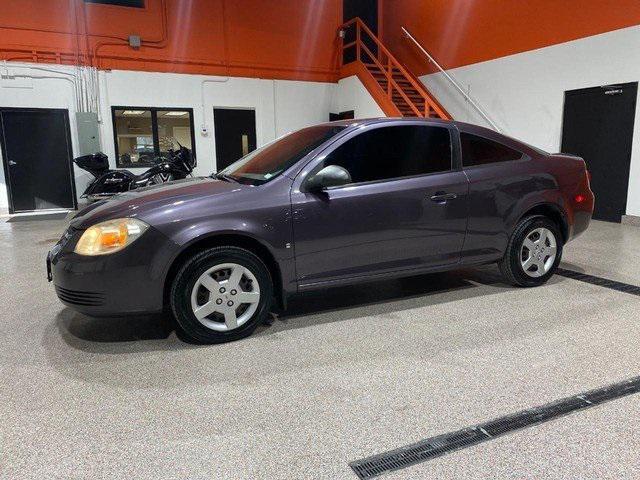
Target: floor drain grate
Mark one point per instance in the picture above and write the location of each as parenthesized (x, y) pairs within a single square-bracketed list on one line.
[(442, 444), (600, 281)]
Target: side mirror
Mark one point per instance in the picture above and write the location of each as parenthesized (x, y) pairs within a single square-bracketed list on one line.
[(329, 176)]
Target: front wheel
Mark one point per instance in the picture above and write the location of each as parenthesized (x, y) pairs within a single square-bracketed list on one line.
[(221, 294), (533, 252)]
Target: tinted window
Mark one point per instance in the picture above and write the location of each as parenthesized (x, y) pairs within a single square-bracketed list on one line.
[(121, 3), (392, 152), (480, 151), (269, 161)]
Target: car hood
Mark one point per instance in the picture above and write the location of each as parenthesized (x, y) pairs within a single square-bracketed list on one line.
[(143, 203)]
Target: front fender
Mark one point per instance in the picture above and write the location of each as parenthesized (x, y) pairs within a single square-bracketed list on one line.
[(270, 231)]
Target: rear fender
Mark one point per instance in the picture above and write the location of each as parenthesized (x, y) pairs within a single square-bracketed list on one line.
[(538, 202)]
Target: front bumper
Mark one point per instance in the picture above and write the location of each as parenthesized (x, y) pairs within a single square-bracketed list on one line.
[(130, 281)]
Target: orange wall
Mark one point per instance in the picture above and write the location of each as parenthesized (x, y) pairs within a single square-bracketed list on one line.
[(292, 39), (461, 32)]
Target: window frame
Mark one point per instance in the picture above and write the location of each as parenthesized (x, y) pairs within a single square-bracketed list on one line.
[(523, 155), (109, 4), (154, 132), (318, 162)]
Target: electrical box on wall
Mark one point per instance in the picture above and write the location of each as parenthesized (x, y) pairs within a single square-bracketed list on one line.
[(88, 133)]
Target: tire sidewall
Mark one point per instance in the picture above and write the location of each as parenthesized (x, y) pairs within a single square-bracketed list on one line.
[(514, 256), (189, 274)]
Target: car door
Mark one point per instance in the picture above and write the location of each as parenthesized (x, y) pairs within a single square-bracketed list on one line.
[(406, 207)]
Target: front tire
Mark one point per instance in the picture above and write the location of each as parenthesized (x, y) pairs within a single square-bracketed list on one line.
[(221, 294), (533, 252)]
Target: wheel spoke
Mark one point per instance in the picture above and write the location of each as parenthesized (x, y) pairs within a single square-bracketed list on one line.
[(541, 268), (204, 310), (552, 251), (230, 318), (542, 241), (209, 283), (528, 263), (248, 297), (529, 244), (235, 277)]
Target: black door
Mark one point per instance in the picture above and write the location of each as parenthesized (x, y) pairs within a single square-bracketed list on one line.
[(347, 115), (598, 126), (367, 10), (235, 134), (37, 158)]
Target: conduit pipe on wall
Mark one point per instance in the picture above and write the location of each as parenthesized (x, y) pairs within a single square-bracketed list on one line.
[(66, 76), (157, 44), (69, 77), (275, 117), (202, 103)]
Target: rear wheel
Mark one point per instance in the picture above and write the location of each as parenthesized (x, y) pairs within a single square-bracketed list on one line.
[(221, 294), (533, 253)]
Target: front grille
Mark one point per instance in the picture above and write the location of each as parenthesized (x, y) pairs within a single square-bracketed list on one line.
[(77, 297)]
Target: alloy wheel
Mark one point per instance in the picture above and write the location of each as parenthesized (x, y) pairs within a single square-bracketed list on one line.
[(225, 297), (538, 252)]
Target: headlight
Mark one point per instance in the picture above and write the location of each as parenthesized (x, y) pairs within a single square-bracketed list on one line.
[(110, 236)]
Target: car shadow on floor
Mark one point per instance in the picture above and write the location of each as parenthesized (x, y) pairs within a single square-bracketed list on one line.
[(386, 297), (158, 332)]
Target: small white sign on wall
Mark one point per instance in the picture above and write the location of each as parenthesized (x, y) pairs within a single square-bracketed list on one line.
[(8, 81)]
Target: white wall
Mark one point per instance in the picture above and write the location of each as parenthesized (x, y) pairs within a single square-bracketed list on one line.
[(524, 93), (352, 95), (52, 90), (280, 106)]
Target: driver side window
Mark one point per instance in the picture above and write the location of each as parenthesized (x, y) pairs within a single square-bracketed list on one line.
[(394, 152)]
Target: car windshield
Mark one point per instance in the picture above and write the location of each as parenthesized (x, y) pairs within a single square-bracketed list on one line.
[(271, 160)]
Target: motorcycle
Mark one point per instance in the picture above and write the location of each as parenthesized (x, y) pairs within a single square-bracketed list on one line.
[(179, 165)]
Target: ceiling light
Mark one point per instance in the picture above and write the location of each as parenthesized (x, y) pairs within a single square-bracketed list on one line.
[(133, 112), (175, 114)]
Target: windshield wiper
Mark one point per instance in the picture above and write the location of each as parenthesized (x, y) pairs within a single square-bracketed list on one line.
[(222, 176)]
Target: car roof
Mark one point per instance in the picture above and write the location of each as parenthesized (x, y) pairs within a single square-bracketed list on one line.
[(430, 121), (369, 121)]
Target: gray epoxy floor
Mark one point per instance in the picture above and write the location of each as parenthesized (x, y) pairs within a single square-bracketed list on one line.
[(345, 374)]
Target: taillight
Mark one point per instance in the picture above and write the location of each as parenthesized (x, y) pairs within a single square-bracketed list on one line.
[(579, 198)]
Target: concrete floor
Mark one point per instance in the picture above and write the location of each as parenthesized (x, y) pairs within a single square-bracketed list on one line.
[(346, 374)]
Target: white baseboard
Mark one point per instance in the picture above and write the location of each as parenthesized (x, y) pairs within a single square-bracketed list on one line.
[(631, 220)]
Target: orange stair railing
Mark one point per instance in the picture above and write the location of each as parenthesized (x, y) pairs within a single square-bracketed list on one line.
[(400, 87)]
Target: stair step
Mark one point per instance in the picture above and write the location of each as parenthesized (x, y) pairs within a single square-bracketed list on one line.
[(399, 79), (404, 85), (399, 100), (412, 96), (407, 91)]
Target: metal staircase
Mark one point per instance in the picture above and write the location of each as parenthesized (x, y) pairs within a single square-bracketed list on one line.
[(395, 89)]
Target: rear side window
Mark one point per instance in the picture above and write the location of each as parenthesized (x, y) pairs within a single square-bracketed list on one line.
[(480, 151), (393, 152)]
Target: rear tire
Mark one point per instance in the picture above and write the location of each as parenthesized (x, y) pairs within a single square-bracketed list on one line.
[(533, 252), (221, 294)]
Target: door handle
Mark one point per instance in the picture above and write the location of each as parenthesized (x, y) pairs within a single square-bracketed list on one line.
[(442, 197), (12, 163)]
